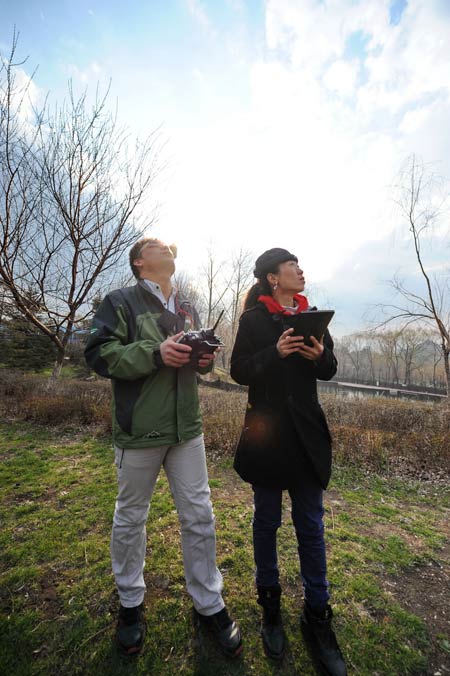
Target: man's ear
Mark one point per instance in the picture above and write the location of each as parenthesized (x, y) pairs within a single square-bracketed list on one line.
[(174, 249), (138, 262)]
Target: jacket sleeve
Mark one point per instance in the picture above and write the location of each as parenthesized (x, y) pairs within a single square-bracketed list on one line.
[(326, 366), (246, 364), (108, 351)]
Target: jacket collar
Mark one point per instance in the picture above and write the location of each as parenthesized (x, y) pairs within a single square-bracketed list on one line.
[(183, 308), (275, 308)]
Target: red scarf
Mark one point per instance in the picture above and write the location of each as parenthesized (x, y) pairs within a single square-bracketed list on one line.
[(275, 308)]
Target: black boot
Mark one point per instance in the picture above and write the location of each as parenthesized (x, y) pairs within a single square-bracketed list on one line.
[(225, 631), (321, 641), (130, 630), (272, 632)]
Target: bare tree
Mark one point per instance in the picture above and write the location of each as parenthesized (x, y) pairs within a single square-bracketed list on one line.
[(355, 357), (388, 342), (214, 287), (344, 361), (370, 362), (188, 288), (421, 207), (433, 342), (19, 185), (404, 356), (5, 303), (71, 203), (238, 283), (411, 353), (351, 346)]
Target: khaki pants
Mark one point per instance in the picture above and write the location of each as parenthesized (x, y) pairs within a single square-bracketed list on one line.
[(185, 467)]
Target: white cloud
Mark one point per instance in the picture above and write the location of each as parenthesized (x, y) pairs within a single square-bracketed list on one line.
[(403, 62), (26, 96), (308, 157), (344, 157), (358, 289), (414, 119), (237, 6), (341, 77), (293, 141), (413, 63), (91, 74), (198, 12), (313, 33), (199, 76)]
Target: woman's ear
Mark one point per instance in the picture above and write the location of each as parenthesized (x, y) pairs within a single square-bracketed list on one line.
[(273, 281)]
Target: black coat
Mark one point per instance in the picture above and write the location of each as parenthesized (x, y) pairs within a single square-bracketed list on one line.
[(285, 431)]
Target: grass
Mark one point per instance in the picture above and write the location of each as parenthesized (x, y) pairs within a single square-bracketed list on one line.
[(57, 598)]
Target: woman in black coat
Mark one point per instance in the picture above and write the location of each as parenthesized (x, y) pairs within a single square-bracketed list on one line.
[(286, 444)]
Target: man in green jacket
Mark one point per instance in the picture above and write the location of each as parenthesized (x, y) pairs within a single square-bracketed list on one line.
[(157, 423)]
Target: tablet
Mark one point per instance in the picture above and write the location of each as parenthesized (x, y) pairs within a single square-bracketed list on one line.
[(308, 323)]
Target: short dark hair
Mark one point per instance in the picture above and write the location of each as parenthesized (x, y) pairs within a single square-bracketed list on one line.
[(135, 252)]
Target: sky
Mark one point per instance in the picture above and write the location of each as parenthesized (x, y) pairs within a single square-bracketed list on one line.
[(285, 122)]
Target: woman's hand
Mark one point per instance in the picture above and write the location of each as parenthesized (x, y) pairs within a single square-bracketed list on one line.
[(288, 344), (314, 352)]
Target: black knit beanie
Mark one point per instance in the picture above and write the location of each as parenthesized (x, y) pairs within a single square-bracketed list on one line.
[(270, 260)]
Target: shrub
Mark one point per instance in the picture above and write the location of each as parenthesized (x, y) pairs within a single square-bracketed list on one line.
[(387, 434), (381, 434), (48, 402), (223, 416)]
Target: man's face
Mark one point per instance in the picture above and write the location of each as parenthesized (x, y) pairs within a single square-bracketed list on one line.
[(155, 257)]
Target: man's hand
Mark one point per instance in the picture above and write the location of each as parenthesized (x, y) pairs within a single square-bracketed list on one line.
[(206, 359), (173, 353)]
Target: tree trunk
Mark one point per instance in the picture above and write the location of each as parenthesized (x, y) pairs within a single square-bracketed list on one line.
[(447, 370), (59, 361)]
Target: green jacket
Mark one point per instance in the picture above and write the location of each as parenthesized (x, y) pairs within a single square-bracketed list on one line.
[(153, 405)]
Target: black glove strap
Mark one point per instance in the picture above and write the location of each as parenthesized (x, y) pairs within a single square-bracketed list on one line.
[(157, 359)]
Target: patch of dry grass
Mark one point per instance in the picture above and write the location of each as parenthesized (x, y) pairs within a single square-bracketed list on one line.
[(63, 402), (382, 434), (410, 436)]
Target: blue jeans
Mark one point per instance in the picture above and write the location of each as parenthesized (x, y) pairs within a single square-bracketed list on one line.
[(307, 516)]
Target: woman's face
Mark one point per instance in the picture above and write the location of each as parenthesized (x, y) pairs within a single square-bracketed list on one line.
[(290, 277)]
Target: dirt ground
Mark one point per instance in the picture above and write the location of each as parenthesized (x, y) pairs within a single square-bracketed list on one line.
[(425, 591)]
